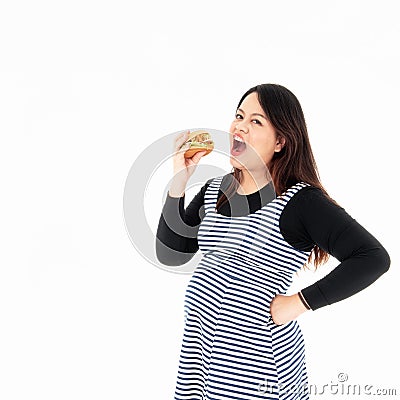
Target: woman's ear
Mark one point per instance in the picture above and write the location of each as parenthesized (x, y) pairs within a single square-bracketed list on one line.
[(280, 143)]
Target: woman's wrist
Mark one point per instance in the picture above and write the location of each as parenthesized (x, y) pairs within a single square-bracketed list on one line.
[(177, 189), (176, 193), (303, 301), (286, 308)]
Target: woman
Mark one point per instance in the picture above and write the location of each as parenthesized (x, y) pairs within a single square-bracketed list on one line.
[(241, 338)]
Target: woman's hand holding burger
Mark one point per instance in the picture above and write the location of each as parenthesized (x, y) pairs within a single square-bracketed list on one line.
[(183, 167)]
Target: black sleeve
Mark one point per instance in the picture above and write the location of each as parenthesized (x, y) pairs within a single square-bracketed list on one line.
[(309, 219), (176, 238)]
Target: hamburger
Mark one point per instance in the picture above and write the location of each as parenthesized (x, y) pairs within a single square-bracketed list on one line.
[(198, 141)]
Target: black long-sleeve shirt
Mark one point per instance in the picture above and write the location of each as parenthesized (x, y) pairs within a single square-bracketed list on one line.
[(308, 219)]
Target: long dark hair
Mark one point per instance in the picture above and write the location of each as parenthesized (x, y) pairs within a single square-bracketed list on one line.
[(295, 162)]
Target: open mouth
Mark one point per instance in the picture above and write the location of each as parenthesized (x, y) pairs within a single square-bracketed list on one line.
[(238, 145)]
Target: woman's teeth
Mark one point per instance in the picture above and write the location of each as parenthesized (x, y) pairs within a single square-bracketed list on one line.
[(238, 145), (238, 138)]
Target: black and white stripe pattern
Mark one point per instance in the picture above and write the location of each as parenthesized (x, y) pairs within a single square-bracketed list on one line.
[(231, 348)]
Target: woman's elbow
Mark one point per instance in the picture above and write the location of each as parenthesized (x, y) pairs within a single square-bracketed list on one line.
[(383, 260), (170, 257)]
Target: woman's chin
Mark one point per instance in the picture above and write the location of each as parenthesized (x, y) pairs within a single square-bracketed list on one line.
[(235, 162)]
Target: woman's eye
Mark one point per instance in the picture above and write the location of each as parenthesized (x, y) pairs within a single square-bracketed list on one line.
[(257, 121), (238, 116)]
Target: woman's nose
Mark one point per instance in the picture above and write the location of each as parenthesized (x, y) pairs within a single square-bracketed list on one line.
[(242, 127)]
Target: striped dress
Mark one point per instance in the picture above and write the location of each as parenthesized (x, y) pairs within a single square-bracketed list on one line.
[(231, 348)]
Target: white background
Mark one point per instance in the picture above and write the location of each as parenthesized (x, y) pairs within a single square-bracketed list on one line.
[(85, 87)]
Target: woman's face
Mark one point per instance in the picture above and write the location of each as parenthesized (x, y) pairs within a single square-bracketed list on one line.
[(259, 139)]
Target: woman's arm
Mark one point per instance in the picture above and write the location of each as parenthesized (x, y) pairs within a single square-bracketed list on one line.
[(318, 221), (176, 239)]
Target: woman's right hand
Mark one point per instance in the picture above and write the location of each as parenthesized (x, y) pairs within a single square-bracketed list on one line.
[(183, 167)]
